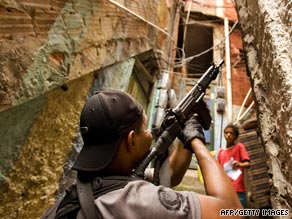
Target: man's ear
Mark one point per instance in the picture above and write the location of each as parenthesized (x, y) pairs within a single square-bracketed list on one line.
[(131, 141)]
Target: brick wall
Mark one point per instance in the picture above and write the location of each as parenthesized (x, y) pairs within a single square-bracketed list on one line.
[(240, 79)]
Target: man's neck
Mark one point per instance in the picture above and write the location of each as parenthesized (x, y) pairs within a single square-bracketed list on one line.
[(230, 145)]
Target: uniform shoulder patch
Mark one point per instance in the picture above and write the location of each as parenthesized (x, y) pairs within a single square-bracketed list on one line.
[(173, 201)]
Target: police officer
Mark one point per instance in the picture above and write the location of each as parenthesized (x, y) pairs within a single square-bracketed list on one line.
[(114, 130)]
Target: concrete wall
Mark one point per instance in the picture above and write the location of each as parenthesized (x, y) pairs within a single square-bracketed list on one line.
[(266, 28), (52, 54)]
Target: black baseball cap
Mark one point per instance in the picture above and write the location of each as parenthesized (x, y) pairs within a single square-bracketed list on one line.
[(105, 119)]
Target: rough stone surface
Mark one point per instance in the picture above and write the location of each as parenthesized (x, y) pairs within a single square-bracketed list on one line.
[(32, 183), (52, 55), (268, 52)]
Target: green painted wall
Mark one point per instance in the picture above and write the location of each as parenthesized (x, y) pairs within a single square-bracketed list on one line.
[(16, 124), (31, 184)]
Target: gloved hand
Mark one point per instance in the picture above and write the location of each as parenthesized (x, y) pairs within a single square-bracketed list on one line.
[(192, 130)]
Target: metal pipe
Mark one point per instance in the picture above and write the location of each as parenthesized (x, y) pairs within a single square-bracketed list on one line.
[(242, 105), (228, 71), (246, 111)]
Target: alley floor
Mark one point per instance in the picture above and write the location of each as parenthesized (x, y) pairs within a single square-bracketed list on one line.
[(191, 182)]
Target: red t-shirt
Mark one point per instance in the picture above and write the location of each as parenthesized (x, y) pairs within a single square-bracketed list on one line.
[(239, 153)]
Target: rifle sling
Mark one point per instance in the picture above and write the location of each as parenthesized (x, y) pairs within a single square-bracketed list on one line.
[(100, 186), (86, 200)]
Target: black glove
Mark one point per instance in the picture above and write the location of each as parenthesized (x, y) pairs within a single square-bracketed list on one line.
[(192, 129)]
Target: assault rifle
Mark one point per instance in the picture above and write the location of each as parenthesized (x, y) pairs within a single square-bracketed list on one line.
[(174, 120)]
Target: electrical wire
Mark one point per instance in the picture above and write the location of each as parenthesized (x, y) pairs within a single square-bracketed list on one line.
[(183, 62), (141, 18)]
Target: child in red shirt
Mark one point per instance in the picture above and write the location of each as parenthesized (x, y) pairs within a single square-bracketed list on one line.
[(234, 158)]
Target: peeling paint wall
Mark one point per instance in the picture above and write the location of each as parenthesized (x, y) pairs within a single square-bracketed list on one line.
[(268, 52), (53, 54)]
